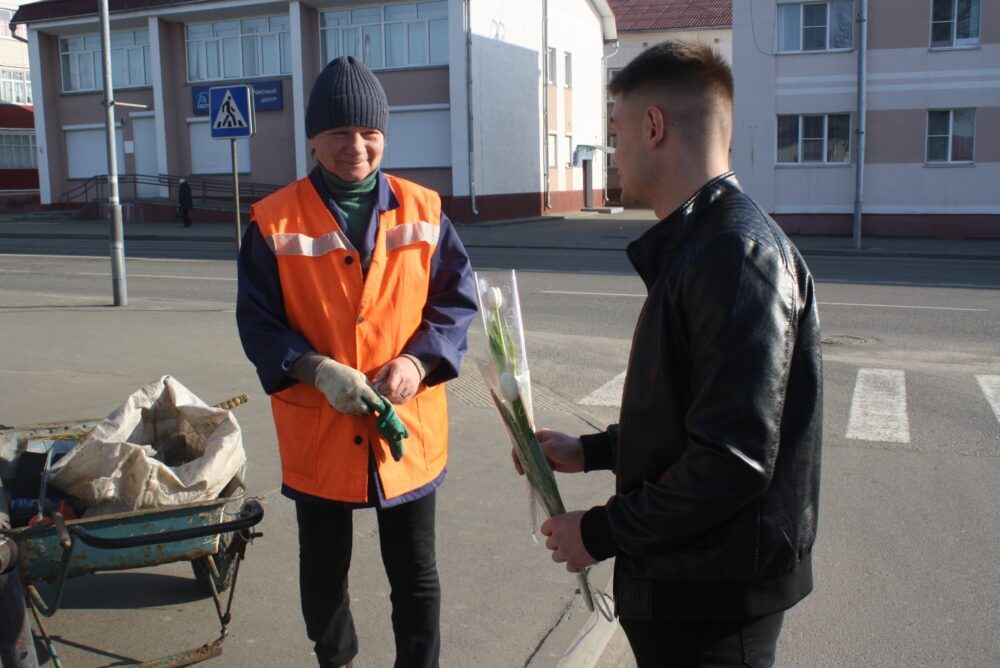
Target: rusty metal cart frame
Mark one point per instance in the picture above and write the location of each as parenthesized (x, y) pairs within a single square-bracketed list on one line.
[(191, 532)]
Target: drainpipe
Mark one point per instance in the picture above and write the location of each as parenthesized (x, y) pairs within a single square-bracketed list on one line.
[(604, 111), (545, 103), (467, 7), (11, 28), (859, 181)]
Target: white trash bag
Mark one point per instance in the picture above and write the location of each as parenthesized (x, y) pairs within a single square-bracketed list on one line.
[(163, 447)]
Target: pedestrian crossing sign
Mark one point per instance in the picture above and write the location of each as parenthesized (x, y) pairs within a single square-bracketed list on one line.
[(231, 111)]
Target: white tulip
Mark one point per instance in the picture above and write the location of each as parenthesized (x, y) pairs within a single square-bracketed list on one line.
[(509, 387), (494, 298)]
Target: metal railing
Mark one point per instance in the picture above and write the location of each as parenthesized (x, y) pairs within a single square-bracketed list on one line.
[(211, 191)]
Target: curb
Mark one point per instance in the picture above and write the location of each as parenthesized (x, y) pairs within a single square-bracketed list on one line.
[(816, 252)]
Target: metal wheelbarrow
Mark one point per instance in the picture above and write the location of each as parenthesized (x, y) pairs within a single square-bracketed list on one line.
[(212, 535)]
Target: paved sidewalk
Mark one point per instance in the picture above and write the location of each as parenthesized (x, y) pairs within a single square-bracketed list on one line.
[(578, 230)]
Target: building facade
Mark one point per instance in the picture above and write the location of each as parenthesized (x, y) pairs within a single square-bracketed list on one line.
[(645, 23), (486, 97), (931, 163), (18, 172)]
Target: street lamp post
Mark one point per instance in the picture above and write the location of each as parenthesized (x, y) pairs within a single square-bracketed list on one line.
[(117, 241)]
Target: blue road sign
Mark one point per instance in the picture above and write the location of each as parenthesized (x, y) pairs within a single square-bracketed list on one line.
[(231, 111), (267, 96)]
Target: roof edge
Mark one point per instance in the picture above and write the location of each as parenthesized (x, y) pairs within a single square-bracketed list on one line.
[(608, 26)]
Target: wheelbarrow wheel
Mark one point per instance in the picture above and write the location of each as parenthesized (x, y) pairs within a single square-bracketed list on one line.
[(225, 563)]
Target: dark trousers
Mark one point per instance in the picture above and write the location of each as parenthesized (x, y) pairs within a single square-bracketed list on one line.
[(704, 644), (406, 536), (186, 215)]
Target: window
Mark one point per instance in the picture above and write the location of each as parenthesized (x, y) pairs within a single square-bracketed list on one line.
[(815, 26), (87, 150), (17, 149), (15, 86), (239, 49), (82, 63), (569, 150), (5, 16), (612, 71), (550, 66), (955, 23), (211, 156), (388, 36), (951, 134), (568, 76), (814, 138), (552, 159)]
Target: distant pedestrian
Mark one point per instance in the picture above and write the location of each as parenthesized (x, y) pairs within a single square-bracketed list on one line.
[(184, 201)]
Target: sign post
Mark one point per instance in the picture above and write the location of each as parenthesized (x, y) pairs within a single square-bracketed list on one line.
[(231, 113)]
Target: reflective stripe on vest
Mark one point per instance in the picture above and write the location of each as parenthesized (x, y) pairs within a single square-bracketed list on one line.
[(361, 321)]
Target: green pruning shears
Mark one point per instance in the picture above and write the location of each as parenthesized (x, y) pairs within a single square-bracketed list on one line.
[(389, 425)]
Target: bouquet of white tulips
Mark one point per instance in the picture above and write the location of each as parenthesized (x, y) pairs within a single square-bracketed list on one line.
[(509, 385)]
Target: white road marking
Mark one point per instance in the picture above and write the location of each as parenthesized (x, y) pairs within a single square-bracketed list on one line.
[(878, 408), (609, 394), (991, 388), (47, 256), (930, 308), (107, 274), (904, 306), (591, 294)]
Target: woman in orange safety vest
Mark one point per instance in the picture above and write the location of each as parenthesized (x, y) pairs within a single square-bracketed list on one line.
[(352, 281)]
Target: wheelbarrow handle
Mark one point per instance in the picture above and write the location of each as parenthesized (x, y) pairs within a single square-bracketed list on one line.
[(252, 513)]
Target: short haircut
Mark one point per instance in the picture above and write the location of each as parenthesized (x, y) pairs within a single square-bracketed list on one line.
[(690, 69)]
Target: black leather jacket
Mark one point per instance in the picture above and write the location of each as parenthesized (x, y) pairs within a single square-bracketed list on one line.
[(718, 448)]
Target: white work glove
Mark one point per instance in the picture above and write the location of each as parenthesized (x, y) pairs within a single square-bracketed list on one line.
[(344, 387)]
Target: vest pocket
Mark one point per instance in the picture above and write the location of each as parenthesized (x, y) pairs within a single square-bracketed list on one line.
[(297, 428), (433, 448)]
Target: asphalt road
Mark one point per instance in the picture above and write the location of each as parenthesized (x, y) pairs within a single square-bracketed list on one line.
[(906, 559)]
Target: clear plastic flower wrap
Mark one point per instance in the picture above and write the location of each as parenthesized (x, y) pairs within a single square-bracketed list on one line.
[(509, 384)]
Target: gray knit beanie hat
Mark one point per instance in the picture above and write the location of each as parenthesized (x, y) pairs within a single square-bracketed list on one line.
[(346, 93)]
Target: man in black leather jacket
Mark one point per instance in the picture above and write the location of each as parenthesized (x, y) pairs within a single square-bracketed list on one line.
[(717, 452)]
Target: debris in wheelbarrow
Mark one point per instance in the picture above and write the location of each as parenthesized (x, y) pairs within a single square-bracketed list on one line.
[(164, 446), (212, 534)]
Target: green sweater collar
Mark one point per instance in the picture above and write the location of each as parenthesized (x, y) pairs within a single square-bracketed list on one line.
[(341, 189)]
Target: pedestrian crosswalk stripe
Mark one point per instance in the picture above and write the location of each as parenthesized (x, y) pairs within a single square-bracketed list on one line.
[(991, 388), (609, 394), (878, 408)]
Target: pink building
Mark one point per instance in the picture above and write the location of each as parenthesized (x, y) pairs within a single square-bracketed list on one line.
[(932, 147)]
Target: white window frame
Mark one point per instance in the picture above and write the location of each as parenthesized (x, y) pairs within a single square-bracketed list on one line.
[(212, 156), (956, 42), (429, 23), (550, 66), (216, 43), (552, 150), (801, 6), (826, 138), (12, 80), (951, 137), (569, 150), (93, 55), (19, 153), (568, 70)]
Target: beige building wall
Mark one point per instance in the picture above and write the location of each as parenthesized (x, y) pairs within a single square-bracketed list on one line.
[(906, 78), (13, 53)]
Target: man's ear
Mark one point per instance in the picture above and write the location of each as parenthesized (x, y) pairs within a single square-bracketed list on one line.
[(654, 126)]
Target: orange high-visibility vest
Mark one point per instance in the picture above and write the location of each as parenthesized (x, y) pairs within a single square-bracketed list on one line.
[(362, 322)]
